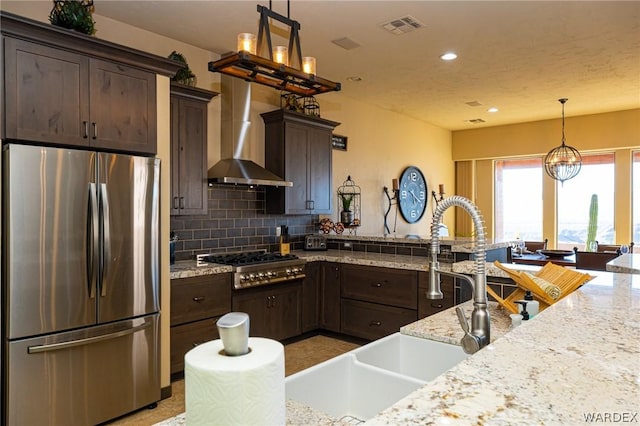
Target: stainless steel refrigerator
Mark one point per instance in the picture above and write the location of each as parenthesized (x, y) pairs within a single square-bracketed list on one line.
[(80, 285)]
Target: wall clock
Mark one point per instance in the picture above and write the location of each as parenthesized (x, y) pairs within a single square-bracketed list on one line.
[(412, 194)]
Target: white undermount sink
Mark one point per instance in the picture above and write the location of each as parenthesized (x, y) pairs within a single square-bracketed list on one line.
[(366, 380)]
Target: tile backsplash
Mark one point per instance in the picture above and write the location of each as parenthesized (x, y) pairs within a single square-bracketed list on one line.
[(236, 222)]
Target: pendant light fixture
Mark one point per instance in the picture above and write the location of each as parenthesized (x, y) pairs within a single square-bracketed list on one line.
[(283, 68), (563, 162)]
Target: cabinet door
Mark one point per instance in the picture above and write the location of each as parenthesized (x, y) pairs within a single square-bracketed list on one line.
[(46, 94), (319, 177), (123, 107), (311, 297), (185, 337), (330, 297), (174, 104), (297, 197), (274, 311), (285, 312), (254, 302), (188, 157)]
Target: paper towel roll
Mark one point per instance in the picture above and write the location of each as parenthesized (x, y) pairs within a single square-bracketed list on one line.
[(235, 390)]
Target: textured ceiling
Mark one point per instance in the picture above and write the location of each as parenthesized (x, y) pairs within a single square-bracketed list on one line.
[(519, 56)]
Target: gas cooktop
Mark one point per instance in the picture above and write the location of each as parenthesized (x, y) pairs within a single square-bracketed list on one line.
[(256, 268)]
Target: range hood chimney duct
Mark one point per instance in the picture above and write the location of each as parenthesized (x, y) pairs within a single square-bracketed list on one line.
[(234, 166)]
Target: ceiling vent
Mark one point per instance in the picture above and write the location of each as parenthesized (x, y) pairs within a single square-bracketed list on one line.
[(402, 25), (473, 103), (476, 121), (346, 43)]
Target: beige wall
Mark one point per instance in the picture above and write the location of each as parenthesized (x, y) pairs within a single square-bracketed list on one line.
[(380, 145), (617, 132)]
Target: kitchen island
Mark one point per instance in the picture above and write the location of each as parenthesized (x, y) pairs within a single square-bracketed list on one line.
[(578, 358)]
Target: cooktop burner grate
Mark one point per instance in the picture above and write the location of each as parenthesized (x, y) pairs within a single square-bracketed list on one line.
[(248, 258)]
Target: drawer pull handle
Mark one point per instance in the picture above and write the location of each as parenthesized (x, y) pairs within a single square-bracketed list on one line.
[(436, 305), (198, 298), (378, 285), (375, 323)]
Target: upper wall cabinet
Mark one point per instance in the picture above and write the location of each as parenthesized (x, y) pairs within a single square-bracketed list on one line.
[(66, 88), (298, 148), (189, 149)]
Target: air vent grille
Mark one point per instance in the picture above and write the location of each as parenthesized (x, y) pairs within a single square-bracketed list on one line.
[(402, 25), (476, 121)]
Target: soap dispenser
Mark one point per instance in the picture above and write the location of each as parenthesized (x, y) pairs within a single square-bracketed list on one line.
[(523, 312), (532, 305)]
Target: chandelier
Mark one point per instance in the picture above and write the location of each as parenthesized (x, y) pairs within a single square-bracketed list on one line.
[(282, 68), (563, 162)]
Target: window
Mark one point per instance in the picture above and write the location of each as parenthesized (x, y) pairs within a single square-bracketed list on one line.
[(635, 188), (597, 176), (518, 199)]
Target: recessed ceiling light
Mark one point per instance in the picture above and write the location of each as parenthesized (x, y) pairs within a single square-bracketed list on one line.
[(493, 109), (354, 78), (449, 56)]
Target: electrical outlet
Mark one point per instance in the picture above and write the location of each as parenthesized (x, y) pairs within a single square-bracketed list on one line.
[(278, 231)]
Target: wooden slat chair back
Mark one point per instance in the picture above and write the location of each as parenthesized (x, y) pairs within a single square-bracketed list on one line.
[(613, 248), (536, 245)]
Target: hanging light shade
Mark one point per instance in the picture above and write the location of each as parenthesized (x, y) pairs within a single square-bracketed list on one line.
[(282, 68), (563, 162)]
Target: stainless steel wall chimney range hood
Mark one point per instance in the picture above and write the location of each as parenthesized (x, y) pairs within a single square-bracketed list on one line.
[(234, 166)]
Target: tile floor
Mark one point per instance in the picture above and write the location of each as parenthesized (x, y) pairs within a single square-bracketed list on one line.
[(298, 356)]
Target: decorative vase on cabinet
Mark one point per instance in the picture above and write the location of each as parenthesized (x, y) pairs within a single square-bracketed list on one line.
[(298, 148)]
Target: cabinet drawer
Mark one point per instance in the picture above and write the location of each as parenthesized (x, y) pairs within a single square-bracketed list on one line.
[(428, 307), (394, 287), (196, 298), (187, 336), (372, 321)]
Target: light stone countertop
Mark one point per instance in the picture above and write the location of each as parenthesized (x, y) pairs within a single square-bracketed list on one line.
[(627, 263), (188, 268)]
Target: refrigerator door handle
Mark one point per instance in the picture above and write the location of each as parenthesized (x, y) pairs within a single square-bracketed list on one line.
[(92, 241), (106, 239), (81, 342)]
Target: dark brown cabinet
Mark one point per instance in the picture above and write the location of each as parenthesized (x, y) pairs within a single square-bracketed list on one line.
[(196, 304), (64, 88), (330, 296), (56, 96), (427, 307), (274, 310), (298, 148), (189, 149), (377, 301), (311, 287)]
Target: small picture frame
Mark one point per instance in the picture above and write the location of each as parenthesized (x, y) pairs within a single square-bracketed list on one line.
[(339, 142)]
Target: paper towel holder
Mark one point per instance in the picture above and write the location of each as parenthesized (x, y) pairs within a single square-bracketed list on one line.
[(234, 333)]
